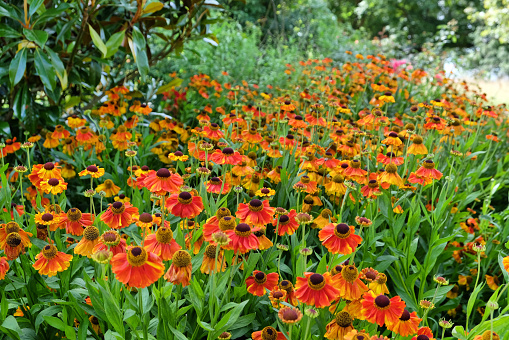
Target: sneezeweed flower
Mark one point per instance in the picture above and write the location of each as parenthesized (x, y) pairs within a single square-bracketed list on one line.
[(303, 218), (289, 315), (379, 284), (119, 215), (339, 238), (162, 243), (339, 326), (4, 267), (265, 242), (53, 186), (363, 221), (242, 239), (137, 268), (417, 147), (92, 170), (315, 290), (406, 325), (265, 192), (111, 240), (102, 256), (427, 170), (382, 310), (9, 243), (291, 297), (210, 263), (180, 269), (268, 333), (225, 336), (348, 283), (50, 261), (75, 220), (226, 156), (145, 220), (220, 238), (276, 296), (258, 213), (312, 312), (287, 222), (487, 335), (215, 184), (88, 242), (108, 187), (184, 205), (425, 304), (163, 181), (259, 281), (323, 219), (442, 281)]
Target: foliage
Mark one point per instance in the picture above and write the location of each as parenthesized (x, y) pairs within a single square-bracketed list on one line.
[(61, 54)]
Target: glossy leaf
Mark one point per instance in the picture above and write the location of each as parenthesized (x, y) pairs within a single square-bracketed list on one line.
[(18, 66)]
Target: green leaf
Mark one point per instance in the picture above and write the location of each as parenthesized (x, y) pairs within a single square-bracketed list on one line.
[(174, 83), (178, 335), (96, 38), (34, 6), (473, 299), (44, 69), (18, 66), (59, 67), (70, 333), (55, 322), (82, 330), (114, 43), (229, 319), (37, 36), (459, 332), (10, 326), (139, 51), (8, 32)]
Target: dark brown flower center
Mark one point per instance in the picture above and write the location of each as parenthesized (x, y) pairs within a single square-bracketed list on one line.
[(53, 182), (146, 218), (405, 316), (290, 314), (49, 166), (228, 151), (92, 168), (13, 239), (47, 217), (382, 301)]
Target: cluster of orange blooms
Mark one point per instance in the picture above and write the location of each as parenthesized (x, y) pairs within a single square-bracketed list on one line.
[(339, 154)]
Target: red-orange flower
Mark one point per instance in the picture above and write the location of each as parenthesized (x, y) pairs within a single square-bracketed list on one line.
[(258, 213), (184, 205), (287, 223), (137, 268), (162, 181), (180, 269), (4, 267), (111, 240), (50, 261), (315, 290), (13, 240), (242, 239), (382, 310), (268, 333), (427, 170), (119, 215), (348, 283), (215, 184), (406, 325), (162, 243), (75, 220), (259, 281), (226, 156), (90, 239), (339, 238)]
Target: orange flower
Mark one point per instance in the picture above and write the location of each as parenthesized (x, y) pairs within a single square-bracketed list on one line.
[(371, 189), (259, 281), (184, 205), (4, 267), (60, 132), (90, 239), (212, 225), (276, 295), (380, 309), (75, 221), (111, 240), (424, 333), (265, 243), (119, 215), (108, 187), (163, 181), (339, 238), (378, 285), (340, 326), (162, 243), (268, 333), (242, 239), (392, 139), (13, 240), (406, 325), (287, 223), (180, 269), (390, 176), (256, 212), (315, 290), (348, 283), (50, 261), (287, 286), (213, 132), (505, 262), (226, 156), (215, 184), (137, 268), (428, 170), (210, 263), (53, 186), (417, 148)]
